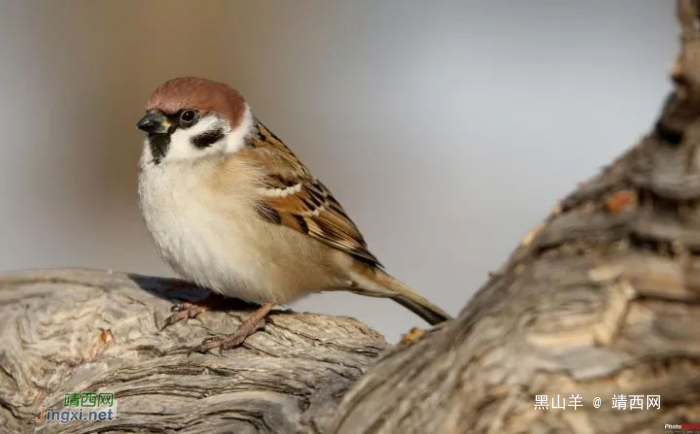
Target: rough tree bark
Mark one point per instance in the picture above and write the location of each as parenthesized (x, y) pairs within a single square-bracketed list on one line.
[(92, 331), (602, 299)]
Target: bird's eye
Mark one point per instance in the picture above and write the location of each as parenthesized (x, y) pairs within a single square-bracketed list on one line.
[(188, 118)]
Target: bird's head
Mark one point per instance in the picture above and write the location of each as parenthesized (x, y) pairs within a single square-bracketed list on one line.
[(190, 118)]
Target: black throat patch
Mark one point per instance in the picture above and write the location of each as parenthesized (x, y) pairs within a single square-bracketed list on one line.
[(159, 144)]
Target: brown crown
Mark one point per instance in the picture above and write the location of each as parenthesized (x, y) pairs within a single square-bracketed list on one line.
[(200, 94)]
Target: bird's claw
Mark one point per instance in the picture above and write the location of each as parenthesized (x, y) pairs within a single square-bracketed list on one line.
[(182, 310), (180, 306)]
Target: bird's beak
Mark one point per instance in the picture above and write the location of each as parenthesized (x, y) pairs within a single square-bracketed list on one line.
[(154, 122)]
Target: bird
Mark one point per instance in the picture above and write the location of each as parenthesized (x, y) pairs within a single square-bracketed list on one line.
[(231, 208)]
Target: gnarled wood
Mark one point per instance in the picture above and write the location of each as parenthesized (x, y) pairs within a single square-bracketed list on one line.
[(85, 331), (602, 299)]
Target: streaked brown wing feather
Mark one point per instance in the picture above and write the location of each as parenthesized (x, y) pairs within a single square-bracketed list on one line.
[(294, 198)]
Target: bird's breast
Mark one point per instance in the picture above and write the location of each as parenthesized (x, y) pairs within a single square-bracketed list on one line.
[(208, 242), (216, 239)]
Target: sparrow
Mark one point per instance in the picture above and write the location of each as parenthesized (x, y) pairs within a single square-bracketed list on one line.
[(231, 208)]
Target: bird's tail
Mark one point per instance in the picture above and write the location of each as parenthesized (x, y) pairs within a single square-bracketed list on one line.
[(384, 285)]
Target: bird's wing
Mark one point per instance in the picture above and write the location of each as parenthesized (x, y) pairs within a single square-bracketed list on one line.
[(292, 197)]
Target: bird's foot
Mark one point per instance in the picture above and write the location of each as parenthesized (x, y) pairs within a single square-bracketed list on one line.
[(190, 309), (247, 328), (183, 310)]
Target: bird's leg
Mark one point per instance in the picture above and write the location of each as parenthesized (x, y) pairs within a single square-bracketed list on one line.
[(235, 339), (190, 309)]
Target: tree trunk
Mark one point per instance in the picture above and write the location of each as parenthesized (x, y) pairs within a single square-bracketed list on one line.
[(602, 299)]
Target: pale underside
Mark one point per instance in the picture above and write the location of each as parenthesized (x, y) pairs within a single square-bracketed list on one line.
[(206, 227)]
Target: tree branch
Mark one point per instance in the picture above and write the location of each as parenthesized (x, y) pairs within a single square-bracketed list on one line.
[(89, 331)]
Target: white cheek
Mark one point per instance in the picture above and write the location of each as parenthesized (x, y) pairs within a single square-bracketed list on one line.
[(235, 140), (181, 147)]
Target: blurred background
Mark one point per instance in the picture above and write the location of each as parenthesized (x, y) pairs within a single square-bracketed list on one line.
[(447, 129)]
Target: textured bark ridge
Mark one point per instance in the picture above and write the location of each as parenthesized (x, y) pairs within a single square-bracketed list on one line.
[(89, 331), (601, 299)]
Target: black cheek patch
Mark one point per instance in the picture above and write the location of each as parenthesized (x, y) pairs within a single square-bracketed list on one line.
[(208, 138)]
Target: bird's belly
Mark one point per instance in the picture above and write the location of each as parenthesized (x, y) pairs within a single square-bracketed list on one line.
[(222, 248)]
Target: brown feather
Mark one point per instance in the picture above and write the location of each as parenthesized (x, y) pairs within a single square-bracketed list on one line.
[(307, 205), (200, 94)]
